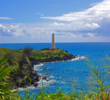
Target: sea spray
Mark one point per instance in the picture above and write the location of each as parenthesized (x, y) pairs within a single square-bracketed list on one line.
[(78, 58)]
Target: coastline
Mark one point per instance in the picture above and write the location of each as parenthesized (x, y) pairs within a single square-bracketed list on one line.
[(35, 77), (46, 77), (37, 62), (65, 58), (23, 61)]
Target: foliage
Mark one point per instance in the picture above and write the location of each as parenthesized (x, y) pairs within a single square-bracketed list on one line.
[(25, 60), (19, 63), (28, 50), (4, 70), (12, 59), (4, 87), (20, 76)]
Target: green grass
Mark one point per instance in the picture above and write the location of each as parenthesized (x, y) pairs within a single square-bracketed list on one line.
[(46, 54), (13, 55)]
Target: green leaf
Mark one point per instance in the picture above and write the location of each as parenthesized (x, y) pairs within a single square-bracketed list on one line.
[(3, 61), (4, 71)]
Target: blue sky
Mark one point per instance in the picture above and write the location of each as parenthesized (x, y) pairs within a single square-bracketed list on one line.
[(33, 21)]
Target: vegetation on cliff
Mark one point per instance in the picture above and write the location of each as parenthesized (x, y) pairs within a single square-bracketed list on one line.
[(46, 54), (16, 55)]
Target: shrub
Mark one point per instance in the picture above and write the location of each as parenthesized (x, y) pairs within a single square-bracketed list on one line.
[(28, 50)]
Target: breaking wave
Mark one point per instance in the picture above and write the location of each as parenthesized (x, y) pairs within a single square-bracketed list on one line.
[(45, 83), (38, 67), (78, 58)]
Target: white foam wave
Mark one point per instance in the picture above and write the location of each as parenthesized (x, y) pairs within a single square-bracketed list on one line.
[(78, 58), (45, 83), (41, 83), (31, 87), (51, 77), (63, 82), (38, 67)]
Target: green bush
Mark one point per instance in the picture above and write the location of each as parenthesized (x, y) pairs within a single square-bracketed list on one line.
[(28, 50)]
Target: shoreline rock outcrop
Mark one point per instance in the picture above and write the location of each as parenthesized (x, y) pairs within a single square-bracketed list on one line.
[(65, 58), (32, 77)]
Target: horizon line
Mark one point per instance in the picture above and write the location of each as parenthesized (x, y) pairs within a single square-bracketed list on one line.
[(50, 42)]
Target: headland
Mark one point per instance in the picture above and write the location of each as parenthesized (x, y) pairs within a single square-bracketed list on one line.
[(23, 60)]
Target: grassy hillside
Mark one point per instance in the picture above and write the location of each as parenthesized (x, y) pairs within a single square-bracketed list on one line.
[(16, 55), (13, 55)]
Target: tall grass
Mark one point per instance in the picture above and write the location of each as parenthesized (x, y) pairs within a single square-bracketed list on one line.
[(100, 92)]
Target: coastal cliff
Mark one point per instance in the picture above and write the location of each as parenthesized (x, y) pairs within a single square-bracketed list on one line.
[(65, 58), (23, 60), (42, 56)]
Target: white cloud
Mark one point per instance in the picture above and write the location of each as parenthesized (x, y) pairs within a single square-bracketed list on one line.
[(0, 25), (96, 13), (5, 18), (40, 14), (90, 34), (58, 24), (87, 19), (71, 27), (8, 31), (92, 25)]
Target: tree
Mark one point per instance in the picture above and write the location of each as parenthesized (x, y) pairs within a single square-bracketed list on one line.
[(28, 50)]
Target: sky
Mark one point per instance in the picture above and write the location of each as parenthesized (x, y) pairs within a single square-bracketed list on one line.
[(34, 21)]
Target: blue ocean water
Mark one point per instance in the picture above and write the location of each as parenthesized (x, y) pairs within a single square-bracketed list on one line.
[(65, 74)]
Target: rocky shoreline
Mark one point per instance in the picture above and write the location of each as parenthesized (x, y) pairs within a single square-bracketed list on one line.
[(36, 77), (65, 58), (32, 78)]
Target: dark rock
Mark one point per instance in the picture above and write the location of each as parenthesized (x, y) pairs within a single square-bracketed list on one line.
[(44, 77), (35, 84)]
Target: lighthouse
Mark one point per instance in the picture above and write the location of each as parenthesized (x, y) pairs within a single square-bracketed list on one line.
[(53, 41)]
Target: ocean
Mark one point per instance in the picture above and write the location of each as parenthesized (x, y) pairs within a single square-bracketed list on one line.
[(74, 74)]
